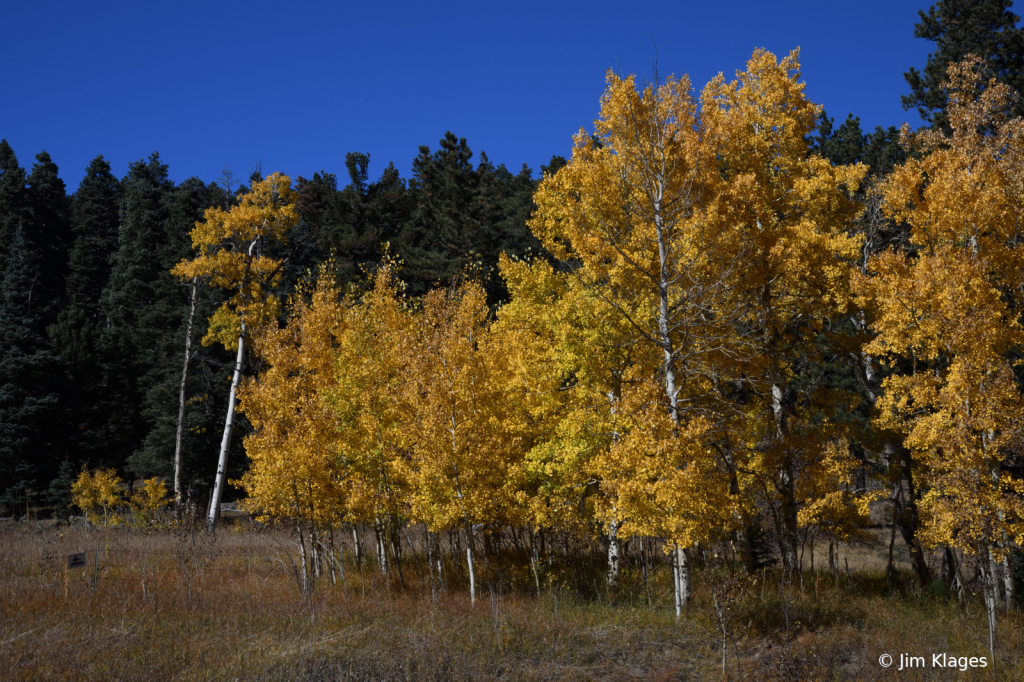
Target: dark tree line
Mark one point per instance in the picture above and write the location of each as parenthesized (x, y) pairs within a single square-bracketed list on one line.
[(92, 324)]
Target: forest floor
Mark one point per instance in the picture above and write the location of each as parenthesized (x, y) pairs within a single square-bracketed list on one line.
[(183, 605)]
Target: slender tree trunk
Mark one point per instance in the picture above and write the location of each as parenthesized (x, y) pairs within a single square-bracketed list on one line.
[(991, 586), (469, 561), (355, 547), (746, 551), (225, 445), (430, 562), (905, 511), (613, 553), (681, 578), (382, 554), (785, 484), (534, 560), (181, 392), (1009, 593), (993, 572), (304, 575)]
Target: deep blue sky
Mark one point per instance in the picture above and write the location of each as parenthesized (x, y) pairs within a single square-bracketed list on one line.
[(297, 85)]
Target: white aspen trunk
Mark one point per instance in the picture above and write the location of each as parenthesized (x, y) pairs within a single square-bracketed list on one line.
[(225, 445), (682, 569), (675, 585), (681, 579), (1009, 593), (991, 591), (356, 550), (469, 561), (316, 565), (684, 575), (441, 581), (304, 575), (181, 392), (786, 483), (382, 557), (613, 552), (993, 571)]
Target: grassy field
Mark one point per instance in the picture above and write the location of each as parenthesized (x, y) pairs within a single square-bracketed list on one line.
[(181, 605)]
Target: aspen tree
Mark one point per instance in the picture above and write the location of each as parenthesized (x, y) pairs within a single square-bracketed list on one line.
[(949, 314), (294, 470), (371, 359), (569, 352), (634, 216), (463, 466), (791, 220), (230, 246)]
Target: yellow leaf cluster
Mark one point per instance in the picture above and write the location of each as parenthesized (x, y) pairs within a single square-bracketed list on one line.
[(230, 246), (98, 494)]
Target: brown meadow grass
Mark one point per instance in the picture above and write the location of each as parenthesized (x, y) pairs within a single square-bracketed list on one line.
[(182, 605)]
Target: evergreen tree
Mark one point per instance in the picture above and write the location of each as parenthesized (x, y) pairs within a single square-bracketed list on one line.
[(48, 227), (28, 399), (77, 332), (352, 224), (160, 332), (464, 217), (985, 28), (13, 198), (507, 202), (847, 144), (445, 232), (94, 226), (127, 341)]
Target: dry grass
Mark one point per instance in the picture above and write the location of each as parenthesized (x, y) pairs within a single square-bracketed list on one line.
[(183, 606)]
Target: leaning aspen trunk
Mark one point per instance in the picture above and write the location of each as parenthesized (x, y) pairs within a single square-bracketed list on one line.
[(613, 553), (951, 574), (534, 561), (225, 444), (469, 562), (316, 563), (181, 392)]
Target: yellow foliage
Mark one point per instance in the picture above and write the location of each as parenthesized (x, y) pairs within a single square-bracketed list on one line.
[(464, 430), (230, 248), (295, 471), (706, 247), (950, 312), (151, 497), (97, 494)]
